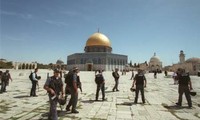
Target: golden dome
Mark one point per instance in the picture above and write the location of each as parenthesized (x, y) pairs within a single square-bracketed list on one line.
[(98, 39)]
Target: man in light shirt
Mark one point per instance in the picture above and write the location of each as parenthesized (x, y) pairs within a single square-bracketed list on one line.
[(34, 81)]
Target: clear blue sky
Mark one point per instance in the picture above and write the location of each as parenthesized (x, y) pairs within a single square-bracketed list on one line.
[(48, 30)]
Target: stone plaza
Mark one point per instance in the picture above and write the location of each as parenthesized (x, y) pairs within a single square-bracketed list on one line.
[(161, 95)]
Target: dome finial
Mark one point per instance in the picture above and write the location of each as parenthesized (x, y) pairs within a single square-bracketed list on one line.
[(154, 54), (98, 30)]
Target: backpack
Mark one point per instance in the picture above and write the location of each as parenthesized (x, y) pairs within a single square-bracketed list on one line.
[(69, 79), (31, 76), (98, 79)]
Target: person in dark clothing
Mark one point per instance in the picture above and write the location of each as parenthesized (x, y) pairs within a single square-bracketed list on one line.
[(1, 73), (74, 92), (132, 75), (100, 81), (116, 76), (165, 73), (54, 86), (155, 74), (34, 81), (5, 80), (140, 82), (185, 85)]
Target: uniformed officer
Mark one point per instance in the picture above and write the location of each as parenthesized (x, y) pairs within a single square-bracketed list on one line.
[(140, 82), (185, 85), (54, 87), (100, 81), (5, 80), (74, 92), (116, 76)]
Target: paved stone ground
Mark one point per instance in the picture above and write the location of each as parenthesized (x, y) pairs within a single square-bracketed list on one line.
[(161, 96)]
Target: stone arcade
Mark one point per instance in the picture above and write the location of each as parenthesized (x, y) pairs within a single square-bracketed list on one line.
[(24, 65)]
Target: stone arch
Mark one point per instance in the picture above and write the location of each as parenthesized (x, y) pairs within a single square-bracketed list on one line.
[(33, 67), (20, 66), (30, 66), (27, 66), (23, 66)]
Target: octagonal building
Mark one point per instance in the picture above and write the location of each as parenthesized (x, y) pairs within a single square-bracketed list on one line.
[(98, 55)]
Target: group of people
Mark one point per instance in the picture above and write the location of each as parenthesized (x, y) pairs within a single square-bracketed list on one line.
[(139, 82), (4, 78), (56, 91), (55, 88)]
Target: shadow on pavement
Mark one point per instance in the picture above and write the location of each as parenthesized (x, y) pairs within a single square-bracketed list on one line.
[(175, 107), (127, 103), (22, 96), (109, 91), (60, 114), (88, 101)]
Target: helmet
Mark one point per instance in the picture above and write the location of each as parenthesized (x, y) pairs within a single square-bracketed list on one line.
[(62, 101), (132, 89), (193, 93)]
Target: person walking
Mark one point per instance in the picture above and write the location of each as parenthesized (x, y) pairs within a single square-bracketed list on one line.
[(155, 74), (166, 73), (116, 76), (140, 82), (184, 86), (54, 87), (100, 82), (132, 74), (72, 84), (5, 80), (34, 81)]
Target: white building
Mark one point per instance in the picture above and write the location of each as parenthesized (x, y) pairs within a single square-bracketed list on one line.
[(155, 64), (191, 65)]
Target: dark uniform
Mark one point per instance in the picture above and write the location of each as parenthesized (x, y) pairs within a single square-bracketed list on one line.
[(56, 84), (5, 81), (116, 77), (99, 79), (139, 81), (155, 74), (132, 76), (74, 94), (184, 81)]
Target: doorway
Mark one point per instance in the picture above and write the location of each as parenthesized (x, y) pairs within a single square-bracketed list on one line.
[(89, 67)]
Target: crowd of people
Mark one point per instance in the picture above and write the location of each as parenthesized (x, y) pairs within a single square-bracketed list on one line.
[(54, 86)]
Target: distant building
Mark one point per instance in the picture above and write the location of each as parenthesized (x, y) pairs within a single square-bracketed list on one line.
[(191, 65), (59, 62), (59, 65), (98, 55), (24, 65), (155, 64)]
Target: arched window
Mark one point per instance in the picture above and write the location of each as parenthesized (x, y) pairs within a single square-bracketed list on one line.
[(33, 66), (23, 66), (30, 66)]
